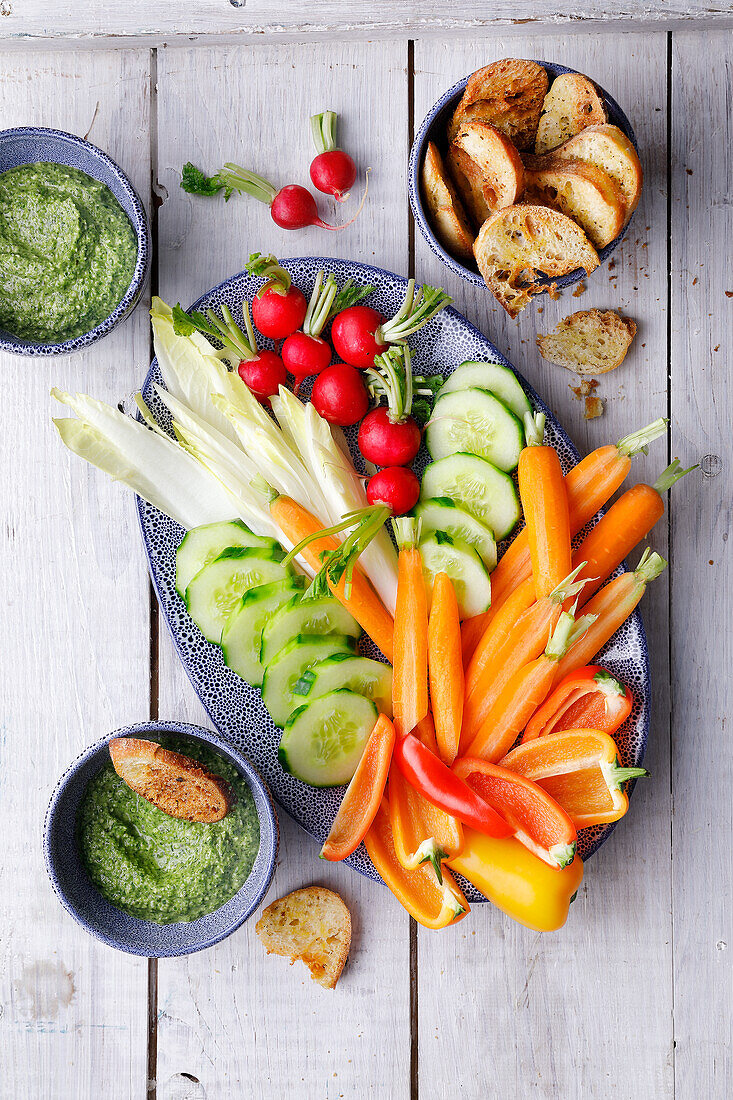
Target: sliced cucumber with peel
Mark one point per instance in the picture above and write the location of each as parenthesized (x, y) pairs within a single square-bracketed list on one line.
[(323, 741), (283, 673), (241, 638), (372, 679), (201, 545), (476, 486), (323, 615), (475, 422), (443, 515), (497, 379), (442, 554), (218, 588)]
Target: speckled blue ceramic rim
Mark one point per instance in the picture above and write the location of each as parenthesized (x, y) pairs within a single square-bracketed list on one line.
[(366, 272), (105, 921), (29, 144), (436, 120)]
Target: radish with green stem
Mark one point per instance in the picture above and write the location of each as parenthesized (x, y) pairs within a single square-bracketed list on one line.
[(305, 352), (360, 332), (278, 307), (390, 436), (332, 171)]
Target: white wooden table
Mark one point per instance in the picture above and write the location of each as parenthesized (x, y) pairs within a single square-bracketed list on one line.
[(632, 999)]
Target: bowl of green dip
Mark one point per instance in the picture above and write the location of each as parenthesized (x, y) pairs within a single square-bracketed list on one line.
[(74, 243), (148, 883)]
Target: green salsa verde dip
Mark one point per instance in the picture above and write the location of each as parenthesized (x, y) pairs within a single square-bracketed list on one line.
[(159, 867), (67, 252)]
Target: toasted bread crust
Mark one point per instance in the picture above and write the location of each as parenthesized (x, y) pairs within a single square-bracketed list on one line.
[(608, 148), (469, 183), (583, 192), (497, 160), (311, 924), (589, 342), (509, 94), (571, 104), (176, 784), (445, 209)]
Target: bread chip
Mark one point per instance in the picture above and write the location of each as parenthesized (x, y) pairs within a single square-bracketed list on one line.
[(469, 184), (311, 924), (509, 94), (608, 148), (518, 243), (496, 159), (583, 192), (176, 784), (445, 209), (571, 104), (589, 341)]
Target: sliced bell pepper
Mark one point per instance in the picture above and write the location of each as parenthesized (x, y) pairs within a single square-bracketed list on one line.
[(579, 768), (590, 698), (432, 904), (420, 830), (363, 794), (518, 882), (445, 789), (534, 816)]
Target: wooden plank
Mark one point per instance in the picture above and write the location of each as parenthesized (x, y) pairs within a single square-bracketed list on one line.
[(702, 588), (565, 1008), (237, 1021), (74, 665), (321, 19)]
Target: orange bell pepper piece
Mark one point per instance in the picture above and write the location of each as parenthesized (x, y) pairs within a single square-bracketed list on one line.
[(579, 768), (590, 698), (432, 904), (363, 794)]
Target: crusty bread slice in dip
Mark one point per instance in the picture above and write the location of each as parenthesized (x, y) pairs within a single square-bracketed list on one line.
[(176, 784)]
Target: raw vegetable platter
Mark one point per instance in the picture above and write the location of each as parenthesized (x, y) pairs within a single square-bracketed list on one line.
[(236, 708)]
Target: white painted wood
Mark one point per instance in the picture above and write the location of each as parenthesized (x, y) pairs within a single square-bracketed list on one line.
[(702, 594), (74, 659), (584, 1012), (241, 1023)]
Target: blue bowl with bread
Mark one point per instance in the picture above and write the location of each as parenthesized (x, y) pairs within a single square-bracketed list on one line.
[(524, 176)]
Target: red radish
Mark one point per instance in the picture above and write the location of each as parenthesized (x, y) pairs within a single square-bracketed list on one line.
[(390, 436), (264, 375), (339, 395), (397, 487), (305, 353), (278, 307), (332, 171), (387, 442), (360, 332)]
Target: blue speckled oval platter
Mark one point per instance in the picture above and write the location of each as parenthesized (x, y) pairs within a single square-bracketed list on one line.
[(235, 708)]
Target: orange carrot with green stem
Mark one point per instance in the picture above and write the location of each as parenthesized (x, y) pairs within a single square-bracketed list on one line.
[(545, 506), (410, 665), (363, 795), (445, 667)]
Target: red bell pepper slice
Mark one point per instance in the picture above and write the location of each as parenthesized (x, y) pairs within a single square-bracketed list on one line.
[(429, 775), (590, 698)]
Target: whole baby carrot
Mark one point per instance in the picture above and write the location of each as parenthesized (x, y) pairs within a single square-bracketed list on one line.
[(545, 506), (445, 667), (410, 665)]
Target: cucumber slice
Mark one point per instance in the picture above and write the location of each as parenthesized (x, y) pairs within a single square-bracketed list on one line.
[(217, 589), (323, 615), (442, 554), (443, 515), (474, 422), (241, 638), (323, 741), (372, 679), (475, 485), (281, 676), (203, 544), (499, 380)]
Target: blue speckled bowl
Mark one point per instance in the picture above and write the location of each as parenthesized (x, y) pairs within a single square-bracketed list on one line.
[(114, 927), (29, 144), (434, 127)]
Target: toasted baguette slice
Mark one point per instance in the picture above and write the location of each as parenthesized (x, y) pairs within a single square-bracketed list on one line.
[(176, 784), (518, 243), (571, 104), (608, 148), (589, 341), (469, 184), (509, 94), (313, 925), (583, 192), (445, 209), (497, 160)]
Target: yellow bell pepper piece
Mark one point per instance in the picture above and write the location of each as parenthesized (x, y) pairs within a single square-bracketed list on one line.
[(517, 881)]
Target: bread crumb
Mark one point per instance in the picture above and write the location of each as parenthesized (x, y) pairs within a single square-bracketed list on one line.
[(593, 408), (586, 388), (553, 291), (729, 293), (580, 289)]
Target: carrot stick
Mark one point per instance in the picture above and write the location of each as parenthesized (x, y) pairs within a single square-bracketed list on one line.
[(589, 485), (497, 631), (545, 506), (611, 606), (445, 667), (410, 675), (296, 523), (363, 795)]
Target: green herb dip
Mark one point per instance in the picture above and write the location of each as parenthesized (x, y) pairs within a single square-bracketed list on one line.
[(158, 867), (67, 252)]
